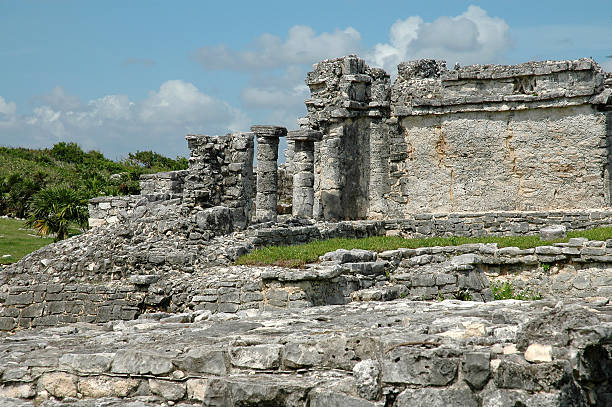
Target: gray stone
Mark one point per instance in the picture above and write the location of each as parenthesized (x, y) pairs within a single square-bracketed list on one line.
[(87, 363), (475, 368), (140, 362), (367, 379), (257, 356), (436, 398), (167, 390), (203, 360), (553, 232)]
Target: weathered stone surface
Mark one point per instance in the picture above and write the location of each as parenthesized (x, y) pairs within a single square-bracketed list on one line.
[(436, 398), (140, 362), (257, 356), (476, 368), (367, 379), (59, 384), (330, 360), (168, 390), (100, 386), (553, 232), (88, 363)]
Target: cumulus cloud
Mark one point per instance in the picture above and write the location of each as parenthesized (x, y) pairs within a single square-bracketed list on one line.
[(116, 125), (471, 37), (302, 46)]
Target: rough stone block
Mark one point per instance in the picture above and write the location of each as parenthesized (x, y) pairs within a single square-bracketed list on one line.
[(475, 367), (266, 356), (436, 397)]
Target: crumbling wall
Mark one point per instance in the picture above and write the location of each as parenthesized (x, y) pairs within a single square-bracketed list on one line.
[(221, 173)]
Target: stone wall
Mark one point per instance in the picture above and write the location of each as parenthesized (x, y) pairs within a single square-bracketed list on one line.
[(422, 225), (533, 136), (221, 173), (105, 210), (163, 182)]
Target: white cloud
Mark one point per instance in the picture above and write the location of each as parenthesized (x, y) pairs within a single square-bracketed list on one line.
[(116, 125), (7, 110), (277, 66), (472, 37), (302, 46)]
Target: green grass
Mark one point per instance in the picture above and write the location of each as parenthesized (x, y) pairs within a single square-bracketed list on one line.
[(298, 255), (17, 240)]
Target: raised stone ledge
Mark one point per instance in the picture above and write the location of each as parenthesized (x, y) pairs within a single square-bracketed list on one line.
[(527, 68), (269, 131)]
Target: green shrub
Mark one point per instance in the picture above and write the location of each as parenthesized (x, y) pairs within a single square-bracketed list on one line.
[(54, 210), (506, 291)]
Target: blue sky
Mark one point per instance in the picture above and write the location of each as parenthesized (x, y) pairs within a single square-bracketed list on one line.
[(121, 76)]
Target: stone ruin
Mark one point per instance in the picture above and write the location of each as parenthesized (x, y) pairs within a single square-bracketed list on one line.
[(147, 307)]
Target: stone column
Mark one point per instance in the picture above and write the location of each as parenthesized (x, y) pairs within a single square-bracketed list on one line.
[(267, 167), (332, 179), (303, 171)]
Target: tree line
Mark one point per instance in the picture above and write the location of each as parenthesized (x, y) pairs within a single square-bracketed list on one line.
[(51, 187)]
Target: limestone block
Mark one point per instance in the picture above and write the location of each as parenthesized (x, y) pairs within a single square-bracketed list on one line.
[(346, 256), (87, 363), (167, 389), (140, 362), (59, 384), (101, 386), (337, 399), (408, 366), (538, 353), (203, 360), (301, 355), (18, 391), (257, 356)]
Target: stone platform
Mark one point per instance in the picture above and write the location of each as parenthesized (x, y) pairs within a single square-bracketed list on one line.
[(398, 353)]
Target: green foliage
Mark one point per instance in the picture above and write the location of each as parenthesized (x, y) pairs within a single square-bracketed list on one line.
[(68, 152), (506, 291), (16, 190), (54, 210), (463, 295), (150, 159), (25, 172), (16, 240), (545, 267)]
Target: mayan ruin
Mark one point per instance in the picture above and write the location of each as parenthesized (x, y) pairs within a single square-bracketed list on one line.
[(148, 307)]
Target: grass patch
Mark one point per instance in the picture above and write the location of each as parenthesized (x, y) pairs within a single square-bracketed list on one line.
[(17, 240), (298, 255), (506, 291)]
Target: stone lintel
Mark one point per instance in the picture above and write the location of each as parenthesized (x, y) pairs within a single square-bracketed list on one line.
[(304, 135), (269, 131)]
